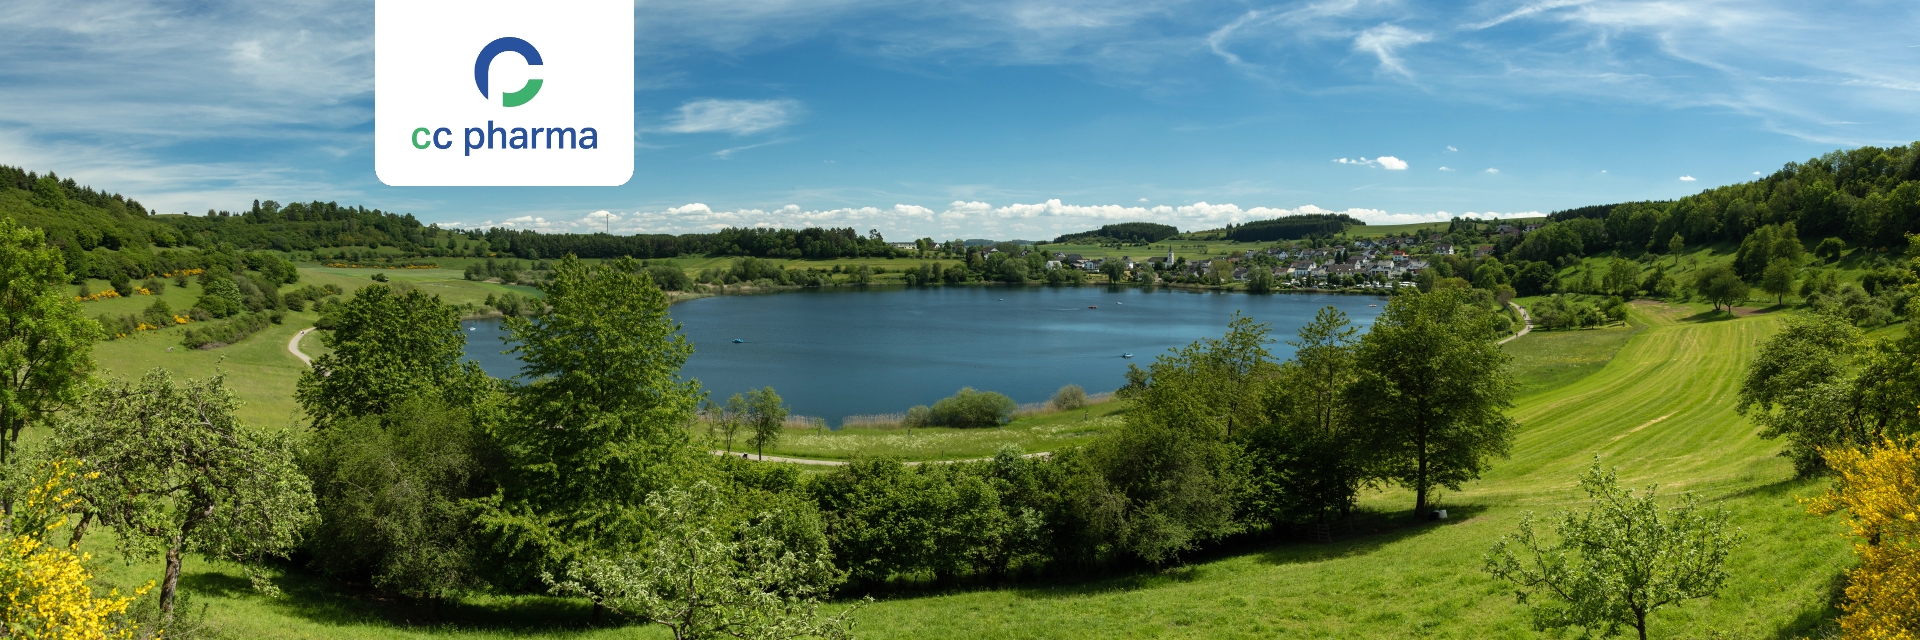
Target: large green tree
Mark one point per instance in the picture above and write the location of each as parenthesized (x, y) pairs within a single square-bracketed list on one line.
[(45, 343), (1309, 461), (1433, 391), (172, 471), (387, 347), (602, 422)]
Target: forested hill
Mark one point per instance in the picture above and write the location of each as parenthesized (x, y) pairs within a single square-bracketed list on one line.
[(1868, 196), (1292, 227), (1125, 232), (81, 219)]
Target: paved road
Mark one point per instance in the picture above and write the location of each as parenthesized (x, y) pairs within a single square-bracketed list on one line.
[(294, 346), (1524, 317)]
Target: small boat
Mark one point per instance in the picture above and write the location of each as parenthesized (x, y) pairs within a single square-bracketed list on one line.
[(1126, 355), (1373, 305), (1092, 307), (738, 341)]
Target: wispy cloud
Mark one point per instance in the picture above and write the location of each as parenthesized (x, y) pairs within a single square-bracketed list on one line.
[(1492, 170), (1384, 42), (737, 117), (1687, 178), (1446, 169)]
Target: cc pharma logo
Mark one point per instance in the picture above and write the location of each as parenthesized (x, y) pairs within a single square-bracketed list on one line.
[(430, 129), (485, 62)]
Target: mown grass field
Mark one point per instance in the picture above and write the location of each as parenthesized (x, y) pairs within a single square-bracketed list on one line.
[(1655, 399)]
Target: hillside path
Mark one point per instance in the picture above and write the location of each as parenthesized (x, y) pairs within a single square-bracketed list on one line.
[(1523, 329), (294, 346)]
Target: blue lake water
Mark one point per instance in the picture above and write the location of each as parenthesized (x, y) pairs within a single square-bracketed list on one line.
[(839, 352)]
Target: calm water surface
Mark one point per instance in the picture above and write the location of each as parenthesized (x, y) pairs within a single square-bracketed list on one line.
[(840, 352)]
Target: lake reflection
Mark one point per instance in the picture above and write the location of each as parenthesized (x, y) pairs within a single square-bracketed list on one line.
[(839, 352)]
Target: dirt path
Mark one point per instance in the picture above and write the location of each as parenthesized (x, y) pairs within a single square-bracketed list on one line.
[(294, 346), (1524, 329)]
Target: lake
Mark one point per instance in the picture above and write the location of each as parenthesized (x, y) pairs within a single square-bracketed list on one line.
[(838, 352)]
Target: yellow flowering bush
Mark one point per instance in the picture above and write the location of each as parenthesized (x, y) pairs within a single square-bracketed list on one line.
[(1880, 490), (43, 588)]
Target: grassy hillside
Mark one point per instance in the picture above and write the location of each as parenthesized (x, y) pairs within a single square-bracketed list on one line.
[(1654, 398)]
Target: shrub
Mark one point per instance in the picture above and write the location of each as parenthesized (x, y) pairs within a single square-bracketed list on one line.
[(1068, 398), (970, 408), (918, 416), (225, 333)]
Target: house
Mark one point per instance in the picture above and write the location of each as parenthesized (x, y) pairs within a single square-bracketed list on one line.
[(1240, 274), (1053, 264), (1415, 267), (1443, 249), (1532, 228), (1507, 230), (1302, 268)]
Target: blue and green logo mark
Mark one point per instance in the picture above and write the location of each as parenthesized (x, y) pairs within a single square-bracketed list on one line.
[(496, 48)]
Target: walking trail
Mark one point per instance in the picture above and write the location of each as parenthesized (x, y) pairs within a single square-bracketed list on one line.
[(294, 346), (1523, 330)]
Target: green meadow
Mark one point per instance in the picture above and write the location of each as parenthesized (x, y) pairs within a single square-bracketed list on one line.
[(1654, 397)]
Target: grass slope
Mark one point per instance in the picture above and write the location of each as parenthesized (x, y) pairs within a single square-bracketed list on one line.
[(1661, 410)]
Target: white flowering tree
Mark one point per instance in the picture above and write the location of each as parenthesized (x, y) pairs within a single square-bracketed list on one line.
[(712, 574)]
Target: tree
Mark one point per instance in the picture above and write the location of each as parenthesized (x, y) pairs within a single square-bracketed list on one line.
[(1113, 270), (1260, 280), (1676, 245), (1879, 488), (391, 492), (970, 408), (1778, 279), (1618, 562), (1433, 390), (177, 473), (46, 345), (1830, 249), (1720, 286), (767, 416), (602, 422), (712, 574), (1309, 458), (724, 420), (1068, 398), (387, 347)]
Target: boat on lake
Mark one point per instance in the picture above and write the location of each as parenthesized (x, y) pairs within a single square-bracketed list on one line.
[(1092, 307), (738, 341), (1126, 355)]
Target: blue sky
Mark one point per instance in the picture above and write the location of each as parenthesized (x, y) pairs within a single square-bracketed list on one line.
[(1004, 119)]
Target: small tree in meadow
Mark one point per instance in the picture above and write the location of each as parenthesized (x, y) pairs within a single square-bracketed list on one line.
[(1617, 563), (767, 416)]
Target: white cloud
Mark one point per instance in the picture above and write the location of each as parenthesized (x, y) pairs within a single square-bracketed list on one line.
[(1143, 199), (1686, 178), (960, 217), (1756, 173), (1492, 170), (737, 117), (1450, 148), (1446, 169), (1389, 163)]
